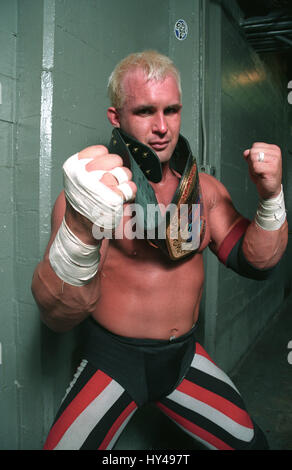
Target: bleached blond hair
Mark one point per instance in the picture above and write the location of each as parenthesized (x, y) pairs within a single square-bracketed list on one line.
[(155, 66)]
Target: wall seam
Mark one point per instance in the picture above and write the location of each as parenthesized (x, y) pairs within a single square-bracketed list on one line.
[(212, 102), (14, 300), (45, 168)]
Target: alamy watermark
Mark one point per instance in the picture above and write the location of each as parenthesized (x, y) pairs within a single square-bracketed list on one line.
[(155, 221), (290, 92), (289, 357)]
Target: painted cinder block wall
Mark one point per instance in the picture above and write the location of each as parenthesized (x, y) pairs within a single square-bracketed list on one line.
[(55, 58), (8, 363)]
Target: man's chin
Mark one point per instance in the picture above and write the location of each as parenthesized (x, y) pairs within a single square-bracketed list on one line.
[(163, 155)]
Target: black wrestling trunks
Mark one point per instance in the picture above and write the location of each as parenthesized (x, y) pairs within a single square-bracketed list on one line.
[(148, 369)]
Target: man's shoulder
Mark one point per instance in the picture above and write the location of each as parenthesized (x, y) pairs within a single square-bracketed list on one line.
[(206, 180), (210, 182), (212, 189)]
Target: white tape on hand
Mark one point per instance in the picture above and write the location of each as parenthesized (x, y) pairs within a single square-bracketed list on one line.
[(72, 260), (271, 213), (126, 189), (119, 174), (89, 196)]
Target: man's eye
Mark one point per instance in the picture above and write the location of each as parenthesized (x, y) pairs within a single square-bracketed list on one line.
[(171, 110), (144, 112)]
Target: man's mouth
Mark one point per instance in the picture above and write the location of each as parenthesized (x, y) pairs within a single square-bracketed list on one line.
[(159, 145)]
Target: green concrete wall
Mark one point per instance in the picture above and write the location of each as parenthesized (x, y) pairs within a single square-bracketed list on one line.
[(254, 106), (8, 364), (56, 56)]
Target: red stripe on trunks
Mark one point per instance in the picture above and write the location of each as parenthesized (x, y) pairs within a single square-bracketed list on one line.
[(196, 430), (117, 424), (217, 402)]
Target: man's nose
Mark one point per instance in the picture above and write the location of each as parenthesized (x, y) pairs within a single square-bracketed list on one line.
[(160, 123)]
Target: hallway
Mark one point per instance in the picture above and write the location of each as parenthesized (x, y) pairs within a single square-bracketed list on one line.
[(265, 380)]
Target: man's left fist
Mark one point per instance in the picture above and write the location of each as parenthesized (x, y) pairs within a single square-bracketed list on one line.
[(265, 168)]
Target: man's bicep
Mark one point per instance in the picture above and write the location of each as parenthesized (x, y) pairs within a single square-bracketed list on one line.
[(225, 222), (228, 229)]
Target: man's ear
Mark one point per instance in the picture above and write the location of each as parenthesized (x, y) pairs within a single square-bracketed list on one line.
[(113, 116)]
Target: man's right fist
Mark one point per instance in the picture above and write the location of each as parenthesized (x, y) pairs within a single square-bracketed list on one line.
[(110, 169), (97, 185)]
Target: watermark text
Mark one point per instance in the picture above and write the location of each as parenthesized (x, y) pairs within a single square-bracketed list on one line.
[(290, 92), (155, 221)]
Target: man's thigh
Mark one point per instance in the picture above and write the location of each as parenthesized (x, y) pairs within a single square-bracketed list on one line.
[(208, 407), (93, 412)]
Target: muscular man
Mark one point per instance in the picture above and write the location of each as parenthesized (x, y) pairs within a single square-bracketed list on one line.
[(140, 297)]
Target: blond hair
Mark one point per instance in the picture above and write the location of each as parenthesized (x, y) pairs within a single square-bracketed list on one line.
[(155, 66)]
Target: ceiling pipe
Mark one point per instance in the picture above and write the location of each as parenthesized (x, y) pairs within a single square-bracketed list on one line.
[(285, 40), (283, 24), (281, 17), (269, 33)]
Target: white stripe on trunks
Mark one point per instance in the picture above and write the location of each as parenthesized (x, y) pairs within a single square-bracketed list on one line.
[(232, 427), (203, 364)]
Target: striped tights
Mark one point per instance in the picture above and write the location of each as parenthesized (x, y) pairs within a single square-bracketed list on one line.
[(206, 405)]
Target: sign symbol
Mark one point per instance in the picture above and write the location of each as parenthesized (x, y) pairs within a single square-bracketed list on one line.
[(181, 29)]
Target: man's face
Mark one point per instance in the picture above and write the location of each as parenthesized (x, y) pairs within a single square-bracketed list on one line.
[(151, 112)]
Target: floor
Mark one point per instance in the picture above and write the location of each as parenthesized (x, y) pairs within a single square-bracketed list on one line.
[(264, 379)]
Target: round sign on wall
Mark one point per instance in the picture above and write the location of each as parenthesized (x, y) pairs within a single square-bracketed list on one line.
[(181, 29)]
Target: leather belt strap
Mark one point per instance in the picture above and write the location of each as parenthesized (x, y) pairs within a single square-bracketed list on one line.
[(146, 166)]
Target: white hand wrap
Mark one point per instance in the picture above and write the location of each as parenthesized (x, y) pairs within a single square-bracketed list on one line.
[(90, 197), (271, 213), (72, 260)]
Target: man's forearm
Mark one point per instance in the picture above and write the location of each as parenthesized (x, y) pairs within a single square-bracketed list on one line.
[(62, 306), (266, 238), (263, 249)]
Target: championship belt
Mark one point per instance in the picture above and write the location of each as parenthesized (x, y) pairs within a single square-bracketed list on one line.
[(180, 230)]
